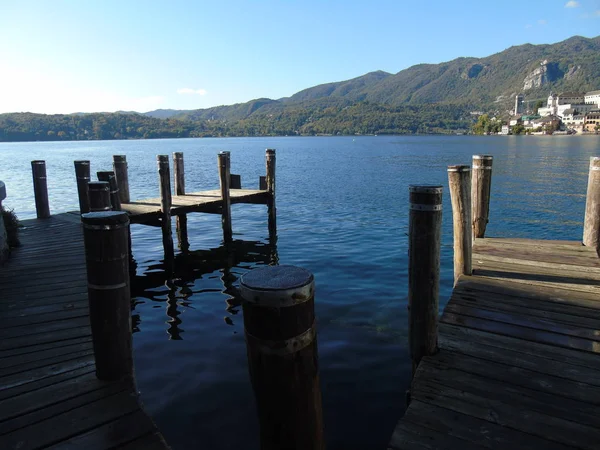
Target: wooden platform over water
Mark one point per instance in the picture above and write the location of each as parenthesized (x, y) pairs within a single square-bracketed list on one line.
[(49, 394), (519, 354)]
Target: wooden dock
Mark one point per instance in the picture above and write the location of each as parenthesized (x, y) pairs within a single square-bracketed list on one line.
[(49, 394), (518, 365)]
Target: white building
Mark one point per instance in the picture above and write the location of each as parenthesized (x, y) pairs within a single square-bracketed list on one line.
[(593, 98), (559, 103)]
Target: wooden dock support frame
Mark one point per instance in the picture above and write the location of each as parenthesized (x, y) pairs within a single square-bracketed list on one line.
[(40, 189), (459, 180), (105, 237), (224, 181), (99, 195), (425, 229), (109, 177), (591, 225), (82, 175), (120, 168), (279, 323), (165, 206), (270, 182), (481, 185)]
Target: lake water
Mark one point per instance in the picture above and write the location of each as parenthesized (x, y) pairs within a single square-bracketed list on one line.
[(342, 214)]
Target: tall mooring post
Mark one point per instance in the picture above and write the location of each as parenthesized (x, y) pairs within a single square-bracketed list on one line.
[(459, 180), (166, 201), (99, 195), (109, 177), (120, 168), (224, 180), (425, 229), (481, 185), (82, 175), (40, 189), (270, 185), (279, 323), (591, 224), (105, 236), (181, 219)]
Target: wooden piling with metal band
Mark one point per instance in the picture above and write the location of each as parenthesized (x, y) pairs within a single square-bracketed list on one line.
[(178, 173), (591, 224), (82, 175), (40, 189), (120, 168), (99, 194), (109, 177), (459, 180), (224, 180), (425, 225), (270, 181), (166, 202), (107, 259), (481, 184), (279, 323)]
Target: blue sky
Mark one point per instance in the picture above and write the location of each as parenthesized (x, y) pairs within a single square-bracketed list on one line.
[(85, 55)]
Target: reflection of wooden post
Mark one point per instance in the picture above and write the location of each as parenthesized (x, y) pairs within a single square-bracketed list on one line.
[(105, 236), (120, 167), (109, 177), (178, 173), (270, 180), (82, 175), (224, 167), (425, 225), (40, 189), (481, 185), (591, 226), (99, 192), (182, 232), (279, 322), (459, 179), (165, 207)]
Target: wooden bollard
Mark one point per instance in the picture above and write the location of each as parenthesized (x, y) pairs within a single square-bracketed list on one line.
[(481, 185), (109, 177), (279, 322), (120, 168), (235, 181), (459, 179), (166, 202), (178, 173), (262, 183), (40, 189), (99, 194), (270, 180), (425, 225), (105, 236), (82, 175), (224, 180), (591, 223)]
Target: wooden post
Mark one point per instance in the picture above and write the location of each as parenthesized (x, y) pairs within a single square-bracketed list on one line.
[(235, 181), (224, 166), (182, 233), (99, 194), (165, 207), (459, 179), (262, 183), (279, 323), (107, 259), (120, 168), (591, 224), (82, 174), (178, 173), (40, 189), (270, 180), (109, 176), (481, 185), (425, 224)]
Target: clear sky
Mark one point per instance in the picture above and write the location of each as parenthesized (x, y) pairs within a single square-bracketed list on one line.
[(62, 56)]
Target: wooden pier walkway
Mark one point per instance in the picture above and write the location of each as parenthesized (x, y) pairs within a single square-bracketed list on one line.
[(49, 394), (519, 354)]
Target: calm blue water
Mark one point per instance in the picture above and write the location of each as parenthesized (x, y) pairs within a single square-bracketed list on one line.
[(342, 213)]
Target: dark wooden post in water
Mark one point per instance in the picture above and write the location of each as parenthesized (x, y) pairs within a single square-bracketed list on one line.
[(591, 226), (99, 194), (224, 167), (279, 322), (82, 174), (40, 189), (481, 185), (178, 173), (425, 225), (262, 183), (105, 236), (270, 181), (109, 177), (459, 179), (165, 207), (120, 168)]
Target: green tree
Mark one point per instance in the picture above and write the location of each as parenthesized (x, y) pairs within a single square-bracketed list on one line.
[(537, 106)]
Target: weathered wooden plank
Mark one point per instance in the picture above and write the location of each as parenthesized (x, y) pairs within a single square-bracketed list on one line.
[(152, 441), (81, 320), (588, 265), (543, 254), (26, 319), (38, 364), (40, 357), (45, 346), (32, 340), (409, 436), (61, 301), (515, 269)]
